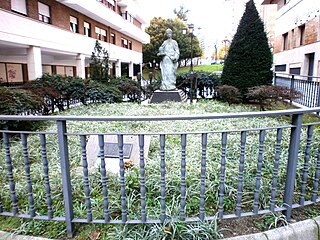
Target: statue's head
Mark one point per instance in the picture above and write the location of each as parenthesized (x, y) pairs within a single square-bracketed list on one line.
[(169, 33)]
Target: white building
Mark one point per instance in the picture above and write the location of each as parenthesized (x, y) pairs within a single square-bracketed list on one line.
[(297, 37), (58, 37)]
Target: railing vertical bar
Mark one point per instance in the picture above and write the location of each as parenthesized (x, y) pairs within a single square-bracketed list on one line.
[(104, 179), (65, 174), (275, 169), (309, 93), (83, 139), (241, 173), (122, 180), (316, 178), (26, 162), (222, 173), (45, 171), (142, 179), (314, 93), (204, 141), (304, 98), (6, 142), (304, 175), (259, 171), (291, 87), (292, 164), (318, 96), (162, 178), (1, 207), (183, 177)]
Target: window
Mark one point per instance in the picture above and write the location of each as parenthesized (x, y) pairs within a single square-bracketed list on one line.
[(19, 6), (281, 68), (113, 38), (124, 43), (74, 24), (302, 33), (130, 45), (11, 73), (296, 71), (87, 29), (65, 71), (44, 12), (285, 41), (101, 34)]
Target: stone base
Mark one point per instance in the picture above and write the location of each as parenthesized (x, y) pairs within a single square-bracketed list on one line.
[(168, 96), (112, 162)]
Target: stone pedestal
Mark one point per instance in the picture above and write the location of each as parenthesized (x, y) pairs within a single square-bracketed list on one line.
[(131, 152), (168, 96)]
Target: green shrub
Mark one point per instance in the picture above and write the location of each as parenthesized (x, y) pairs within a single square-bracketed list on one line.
[(229, 94), (205, 80), (57, 89), (99, 92), (130, 88), (16, 102)]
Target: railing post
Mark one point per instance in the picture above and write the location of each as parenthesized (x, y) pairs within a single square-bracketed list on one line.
[(292, 164), (318, 94), (274, 79), (65, 173), (291, 88)]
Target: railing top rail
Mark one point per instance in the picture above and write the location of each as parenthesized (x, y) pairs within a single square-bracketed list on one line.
[(160, 118), (296, 75)]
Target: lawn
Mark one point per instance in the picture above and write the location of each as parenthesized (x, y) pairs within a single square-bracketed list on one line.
[(197, 68), (172, 130), (202, 68)]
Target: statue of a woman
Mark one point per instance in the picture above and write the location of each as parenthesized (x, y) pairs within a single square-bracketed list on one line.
[(169, 64)]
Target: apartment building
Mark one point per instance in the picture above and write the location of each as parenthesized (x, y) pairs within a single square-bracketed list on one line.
[(58, 37), (297, 37)]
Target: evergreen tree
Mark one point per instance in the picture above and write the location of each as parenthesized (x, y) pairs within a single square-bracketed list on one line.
[(249, 60), (99, 66)]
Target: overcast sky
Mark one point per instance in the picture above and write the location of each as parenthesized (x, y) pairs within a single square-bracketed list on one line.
[(212, 16)]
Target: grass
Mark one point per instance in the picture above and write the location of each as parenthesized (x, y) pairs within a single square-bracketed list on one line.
[(202, 68), (197, 68), (170, 229)]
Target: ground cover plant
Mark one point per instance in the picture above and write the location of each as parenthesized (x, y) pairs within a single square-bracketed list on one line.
[(169, 230)]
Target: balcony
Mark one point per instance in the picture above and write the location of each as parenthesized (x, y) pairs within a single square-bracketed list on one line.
[(107, 16)]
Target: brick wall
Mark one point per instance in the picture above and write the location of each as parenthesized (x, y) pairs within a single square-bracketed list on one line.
[(60, 17), (5, 4), (137, 23), (311, 31), (278, 44)]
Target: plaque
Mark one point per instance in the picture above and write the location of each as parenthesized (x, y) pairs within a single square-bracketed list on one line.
[(111, 150)]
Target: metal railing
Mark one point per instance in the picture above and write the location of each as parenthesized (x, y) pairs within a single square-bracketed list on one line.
[(307, 85), (299, 159)]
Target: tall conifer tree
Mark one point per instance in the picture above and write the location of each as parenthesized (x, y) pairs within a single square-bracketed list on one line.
[(249, 61)]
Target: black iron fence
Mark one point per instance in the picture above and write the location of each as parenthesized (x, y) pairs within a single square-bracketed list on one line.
[(65, 188), (307, 85)]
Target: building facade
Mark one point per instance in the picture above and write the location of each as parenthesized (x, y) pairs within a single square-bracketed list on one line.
[(58, 37), (297, 37)]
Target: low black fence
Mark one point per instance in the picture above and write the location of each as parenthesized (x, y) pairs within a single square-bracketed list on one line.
[(307, 85)]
